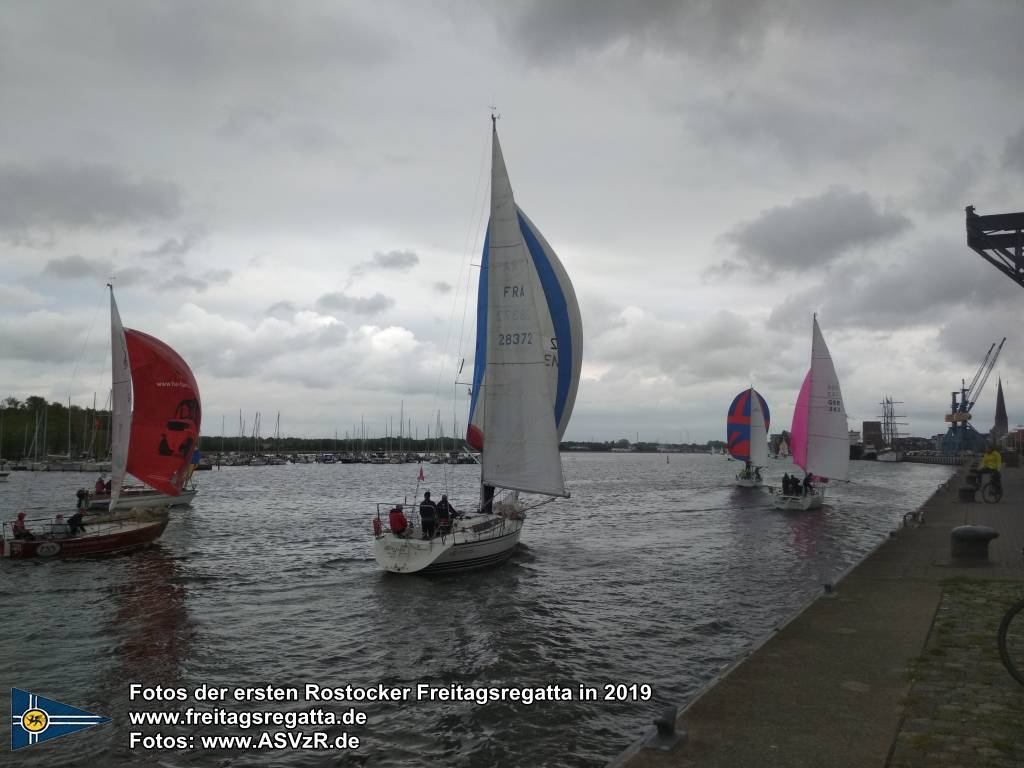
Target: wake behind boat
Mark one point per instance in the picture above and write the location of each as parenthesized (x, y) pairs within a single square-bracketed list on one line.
[(526, 372), (819, 438)]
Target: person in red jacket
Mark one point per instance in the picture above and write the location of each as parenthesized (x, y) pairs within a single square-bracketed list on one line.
[(19, 529), (397, 520)]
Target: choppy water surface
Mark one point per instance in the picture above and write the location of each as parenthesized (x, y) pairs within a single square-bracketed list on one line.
[(652, 573)]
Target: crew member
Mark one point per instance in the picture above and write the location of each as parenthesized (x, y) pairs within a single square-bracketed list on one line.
[(397, 520), (428, 516)]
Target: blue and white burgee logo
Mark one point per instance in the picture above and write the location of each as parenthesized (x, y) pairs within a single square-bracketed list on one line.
[(35, 719)]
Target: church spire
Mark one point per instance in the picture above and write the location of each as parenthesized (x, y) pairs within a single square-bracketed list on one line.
[(1002, 423)]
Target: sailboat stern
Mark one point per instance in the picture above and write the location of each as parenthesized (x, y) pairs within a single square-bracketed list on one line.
[(401, 555)]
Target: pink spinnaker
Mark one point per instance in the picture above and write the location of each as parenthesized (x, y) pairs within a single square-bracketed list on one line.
[(798, 432)]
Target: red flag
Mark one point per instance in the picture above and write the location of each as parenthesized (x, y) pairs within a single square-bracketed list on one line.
[(422, 477)]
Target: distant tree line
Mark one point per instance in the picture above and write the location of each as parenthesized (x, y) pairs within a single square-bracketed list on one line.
[(34, 427)]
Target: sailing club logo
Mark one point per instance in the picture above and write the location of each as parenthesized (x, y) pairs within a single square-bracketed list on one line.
[(35, 719)]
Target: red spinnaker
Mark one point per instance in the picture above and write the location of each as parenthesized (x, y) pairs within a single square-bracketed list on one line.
[(165, 415)]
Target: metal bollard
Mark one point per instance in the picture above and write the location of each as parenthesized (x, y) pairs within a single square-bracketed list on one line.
[(666, 737)]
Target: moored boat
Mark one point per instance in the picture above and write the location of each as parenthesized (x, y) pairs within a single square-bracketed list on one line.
[(526, 373)]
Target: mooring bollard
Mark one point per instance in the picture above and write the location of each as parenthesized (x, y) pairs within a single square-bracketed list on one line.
[(970, 542), (666, 737)]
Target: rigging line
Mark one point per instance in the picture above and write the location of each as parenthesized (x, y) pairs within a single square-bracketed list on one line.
[(466, 256), (85, 344)]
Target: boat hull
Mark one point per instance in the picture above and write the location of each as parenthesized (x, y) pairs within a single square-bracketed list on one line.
[(480, 542), (798, 503), (889, 456), (110, 538), (143, 500), (748, 482)]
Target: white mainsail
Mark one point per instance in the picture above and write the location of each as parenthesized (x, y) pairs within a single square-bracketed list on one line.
[(121, 402), (758, 432), (530, 354), (828, 437)]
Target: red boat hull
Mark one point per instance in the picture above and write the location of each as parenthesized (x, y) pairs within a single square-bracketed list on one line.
[(126, 537)]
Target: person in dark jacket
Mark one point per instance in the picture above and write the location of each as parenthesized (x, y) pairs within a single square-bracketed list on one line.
[(808, 487), (445, 513), (785, 484), (428, 516), (75, 523)]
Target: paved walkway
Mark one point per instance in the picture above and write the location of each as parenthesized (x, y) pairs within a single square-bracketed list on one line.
[(898, 667)]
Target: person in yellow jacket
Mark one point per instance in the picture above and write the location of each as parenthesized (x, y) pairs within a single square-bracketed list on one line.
[(991, 464)]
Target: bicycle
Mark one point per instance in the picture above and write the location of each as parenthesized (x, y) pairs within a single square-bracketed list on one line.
[(1011, 641), (991, 489)]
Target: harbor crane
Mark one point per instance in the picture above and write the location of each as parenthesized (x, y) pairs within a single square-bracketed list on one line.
[(999, 239), (962, 438)]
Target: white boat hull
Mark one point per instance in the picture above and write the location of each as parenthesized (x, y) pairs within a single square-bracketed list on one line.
[(890, 456), (143, 500), (477, 542), (799, 503), (748, 482)]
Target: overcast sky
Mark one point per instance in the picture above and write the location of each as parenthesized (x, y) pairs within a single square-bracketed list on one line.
[(293, 196)]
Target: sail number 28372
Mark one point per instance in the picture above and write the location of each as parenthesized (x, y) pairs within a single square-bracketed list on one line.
[(510, 339)]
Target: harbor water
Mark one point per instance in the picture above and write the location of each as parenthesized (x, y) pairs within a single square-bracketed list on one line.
[(654, 572)]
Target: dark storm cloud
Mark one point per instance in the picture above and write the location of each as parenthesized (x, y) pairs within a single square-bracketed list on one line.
[(1013, 153), (395, 261), (195, 42), (173, 249), (67, 195), (873, 293), (76, 267), (947, 184), (552, 31), (763, 119), (339, 302), (813, 231), (968, 333)]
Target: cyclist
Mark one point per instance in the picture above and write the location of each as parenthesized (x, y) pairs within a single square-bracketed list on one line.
[(991, 464)]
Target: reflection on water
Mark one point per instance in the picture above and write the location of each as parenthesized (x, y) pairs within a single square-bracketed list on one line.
[(149, 627), (651, 573)]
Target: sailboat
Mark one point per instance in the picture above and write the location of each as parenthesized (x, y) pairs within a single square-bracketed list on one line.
[(527, 367), (155, 442), (746, 429), (819, 438)]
